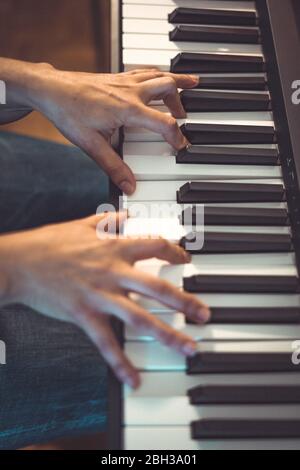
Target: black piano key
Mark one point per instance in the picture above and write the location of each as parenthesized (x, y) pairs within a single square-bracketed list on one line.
[(240, 363), (227, 134), (213, 16), (210, 283), (226, 242), (202, 33), (233, 83), (218, 155), (253, 315), (245, 429), (244, 394), (231, 216), (205, 62), (213, 100), (212, 192)]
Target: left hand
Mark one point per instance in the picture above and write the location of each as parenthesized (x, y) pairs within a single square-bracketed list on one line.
[(88, 108)]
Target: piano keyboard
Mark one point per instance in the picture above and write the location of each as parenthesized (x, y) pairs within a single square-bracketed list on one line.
[(242, 389)]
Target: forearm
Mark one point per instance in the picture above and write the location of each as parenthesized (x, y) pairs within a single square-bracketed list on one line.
[(21, 80)]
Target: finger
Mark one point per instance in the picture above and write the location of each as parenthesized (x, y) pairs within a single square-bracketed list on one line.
[(165, 89), (165, 293), (101, 334), (103, 154), (140, 71), (161, 123), (137, 250), (182, 81), (141, 320), (114, 221)]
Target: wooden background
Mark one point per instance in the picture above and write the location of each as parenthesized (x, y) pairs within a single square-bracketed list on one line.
[(70, 34)]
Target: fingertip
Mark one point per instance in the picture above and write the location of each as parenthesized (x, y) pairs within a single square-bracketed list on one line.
[(134, 381), (195, 79), (179, 113), (204, 314), (189, 81), (182, 142), (190, 348), (128, 187), (184, 256)]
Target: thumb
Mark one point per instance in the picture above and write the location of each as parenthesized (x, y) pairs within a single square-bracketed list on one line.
[(102, 153)]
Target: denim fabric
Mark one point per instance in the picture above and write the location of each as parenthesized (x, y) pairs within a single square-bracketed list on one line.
[(54, 383)]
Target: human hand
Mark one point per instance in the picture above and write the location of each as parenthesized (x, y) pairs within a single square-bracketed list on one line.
[(65, 272), (89, 108)]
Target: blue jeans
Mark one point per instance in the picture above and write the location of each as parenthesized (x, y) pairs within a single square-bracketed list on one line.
[(54, 383)]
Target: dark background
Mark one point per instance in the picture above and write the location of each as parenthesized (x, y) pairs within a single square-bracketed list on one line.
[(70, 34)]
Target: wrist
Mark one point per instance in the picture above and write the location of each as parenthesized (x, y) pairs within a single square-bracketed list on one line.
[(10, 268), (24, 81)]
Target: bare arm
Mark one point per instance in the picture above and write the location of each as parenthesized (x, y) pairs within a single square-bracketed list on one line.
[(15, 74)]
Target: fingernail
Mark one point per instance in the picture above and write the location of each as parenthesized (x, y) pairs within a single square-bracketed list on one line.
[(190, 349), (204, 314), (127, 187), (195, 78), (184, 143)]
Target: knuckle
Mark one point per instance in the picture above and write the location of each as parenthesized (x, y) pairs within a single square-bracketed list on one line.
[(139, 322), (132, 108), (188, 304), (171, 124), (163, 244), (167, 337), (163, 288), (170, 81), (113, 168)]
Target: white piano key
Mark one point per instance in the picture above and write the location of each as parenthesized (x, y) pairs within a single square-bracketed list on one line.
[(160, 42), (160, 412), (161, 11), (259, 118), (145, 26), (207, 261), (156, 384), (166, 438), (176, 274), (214, 4), (154, 357), (233, 332), (137, 58), (163, 149), (159, 105), (166, 209), (159, 168), (172, 230), (242, 118), (159, 27), (166, 190), (229, 301)]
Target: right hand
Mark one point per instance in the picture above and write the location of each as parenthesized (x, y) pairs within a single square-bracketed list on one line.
[(65, 272)]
